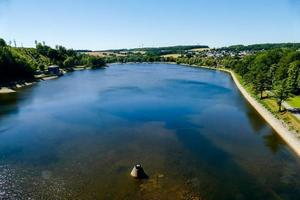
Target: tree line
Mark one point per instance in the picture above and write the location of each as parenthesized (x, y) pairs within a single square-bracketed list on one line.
[(260, 47), (68, 58), (276, 71), (21, 64), (13, 67)]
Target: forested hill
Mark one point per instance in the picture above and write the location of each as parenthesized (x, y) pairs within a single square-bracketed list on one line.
[(171, 49), (20, 64), (259, 47), (180, 49)]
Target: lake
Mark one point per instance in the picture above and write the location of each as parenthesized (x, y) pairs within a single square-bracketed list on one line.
[(79, 136)]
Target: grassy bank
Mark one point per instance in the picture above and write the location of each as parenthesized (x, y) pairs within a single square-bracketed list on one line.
[(284, 123), (294, 101), (270, 103)]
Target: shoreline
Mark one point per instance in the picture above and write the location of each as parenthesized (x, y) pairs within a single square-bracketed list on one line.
[(6, 90), (43, 77), (289, 137), (279, 126), (14, 89)]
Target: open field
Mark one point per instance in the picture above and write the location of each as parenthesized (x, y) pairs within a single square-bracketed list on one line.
[(175, 55), (104, 53), (200, 49), (110, 53), (135, 52)]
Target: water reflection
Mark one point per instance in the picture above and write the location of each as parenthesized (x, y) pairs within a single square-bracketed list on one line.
[(274, 142), (10, 103), (79, 136), (256, 120)]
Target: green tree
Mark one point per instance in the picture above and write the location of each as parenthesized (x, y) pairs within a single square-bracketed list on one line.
[(69, 62), (293, 75), (260, 84), (13, 67), (258, 74), (2, 43), (95, 62), (282, 91)]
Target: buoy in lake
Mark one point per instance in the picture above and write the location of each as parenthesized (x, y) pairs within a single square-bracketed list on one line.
[(138, 172)]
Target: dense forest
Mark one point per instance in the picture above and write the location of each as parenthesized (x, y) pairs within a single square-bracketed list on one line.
[(275, 70), (21, 64), (260, 47), (13, 66)]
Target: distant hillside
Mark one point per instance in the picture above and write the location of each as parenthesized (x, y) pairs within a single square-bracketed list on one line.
[(158, 51), (259, 47), (172, 48)]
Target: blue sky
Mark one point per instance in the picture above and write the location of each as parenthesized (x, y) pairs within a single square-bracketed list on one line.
[(106, 24)]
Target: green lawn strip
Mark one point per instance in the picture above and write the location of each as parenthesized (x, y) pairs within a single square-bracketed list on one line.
[(294, 101)]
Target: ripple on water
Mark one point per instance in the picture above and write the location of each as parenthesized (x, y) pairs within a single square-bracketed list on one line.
[(25, 184), (9, 184)]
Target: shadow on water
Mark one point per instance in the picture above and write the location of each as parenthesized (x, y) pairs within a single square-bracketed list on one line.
[(274, 142), (117, 90), (217, 173), (256, 121), (271, 139), (197, 88), (10, 103)]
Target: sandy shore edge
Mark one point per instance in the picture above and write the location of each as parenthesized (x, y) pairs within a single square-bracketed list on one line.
[(5, 90), (8, 90), (289, 137)]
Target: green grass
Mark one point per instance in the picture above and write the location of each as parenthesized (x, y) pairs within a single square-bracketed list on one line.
[(294, 102), (292, 122)]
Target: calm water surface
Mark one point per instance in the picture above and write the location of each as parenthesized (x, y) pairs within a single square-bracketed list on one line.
[(79, 136)]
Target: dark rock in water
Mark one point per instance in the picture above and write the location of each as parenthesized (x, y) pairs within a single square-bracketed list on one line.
[(138, 172)]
